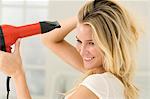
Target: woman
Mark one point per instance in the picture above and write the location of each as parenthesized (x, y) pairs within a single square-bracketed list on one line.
[(106, 38)]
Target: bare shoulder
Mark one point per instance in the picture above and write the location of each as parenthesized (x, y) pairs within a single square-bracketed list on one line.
[(82, 92)]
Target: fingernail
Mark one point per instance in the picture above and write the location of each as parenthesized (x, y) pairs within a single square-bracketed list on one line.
[(19, 39)]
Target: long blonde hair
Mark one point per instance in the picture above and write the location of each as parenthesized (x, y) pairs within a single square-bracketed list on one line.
[(116, 35)]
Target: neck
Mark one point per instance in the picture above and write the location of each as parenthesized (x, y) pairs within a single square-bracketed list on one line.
[(97, 70)]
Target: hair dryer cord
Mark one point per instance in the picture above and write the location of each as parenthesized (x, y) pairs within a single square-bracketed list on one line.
[(8, 86)]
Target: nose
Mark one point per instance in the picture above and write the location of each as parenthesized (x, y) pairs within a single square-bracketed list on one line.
[(83, 50)]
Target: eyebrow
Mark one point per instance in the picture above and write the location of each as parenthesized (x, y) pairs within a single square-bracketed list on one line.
[(80, 40)]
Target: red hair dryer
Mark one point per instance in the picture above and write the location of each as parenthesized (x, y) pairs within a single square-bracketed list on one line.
[(9, 34)]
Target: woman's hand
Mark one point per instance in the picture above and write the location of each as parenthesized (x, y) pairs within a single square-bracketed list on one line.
[(11, 63)]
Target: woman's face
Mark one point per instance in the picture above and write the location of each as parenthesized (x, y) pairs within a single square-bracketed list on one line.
[(92, 55)]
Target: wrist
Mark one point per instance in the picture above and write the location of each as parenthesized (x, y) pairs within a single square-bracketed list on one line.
[(18, 74)]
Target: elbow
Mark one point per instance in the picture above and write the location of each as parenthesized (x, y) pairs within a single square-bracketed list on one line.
[(48, 41)]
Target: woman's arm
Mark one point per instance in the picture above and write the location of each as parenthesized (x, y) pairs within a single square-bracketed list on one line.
[(54, 40), (11, 65), (21, 86), (83, 92)]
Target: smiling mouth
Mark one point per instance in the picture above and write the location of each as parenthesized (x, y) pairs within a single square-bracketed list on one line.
[(88, 59)]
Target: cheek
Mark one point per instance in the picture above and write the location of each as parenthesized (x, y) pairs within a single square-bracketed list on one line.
[(98, 53), (94, 51), (100, 56)]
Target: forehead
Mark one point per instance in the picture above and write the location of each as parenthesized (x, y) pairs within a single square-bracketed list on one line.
[(84, 31)]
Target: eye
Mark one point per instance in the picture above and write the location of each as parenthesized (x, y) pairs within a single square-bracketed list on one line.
[(91, 43), (78, 41)]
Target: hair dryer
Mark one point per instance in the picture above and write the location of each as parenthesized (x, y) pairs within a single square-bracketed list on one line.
[(9, 34)]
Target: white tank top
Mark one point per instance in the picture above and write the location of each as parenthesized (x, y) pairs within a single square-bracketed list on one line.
[(104, 86)]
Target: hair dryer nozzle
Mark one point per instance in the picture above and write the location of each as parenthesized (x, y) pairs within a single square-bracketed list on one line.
[(47, 26)]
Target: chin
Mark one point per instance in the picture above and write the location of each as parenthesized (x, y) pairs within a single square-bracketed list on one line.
[(88, 67), (91, 66)]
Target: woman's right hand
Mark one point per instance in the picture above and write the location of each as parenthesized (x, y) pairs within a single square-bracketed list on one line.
[(11, 63)]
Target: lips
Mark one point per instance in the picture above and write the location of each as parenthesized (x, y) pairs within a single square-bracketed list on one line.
[(88, 59)]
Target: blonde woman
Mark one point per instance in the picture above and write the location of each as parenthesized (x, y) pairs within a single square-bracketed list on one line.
[(106, 38)]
